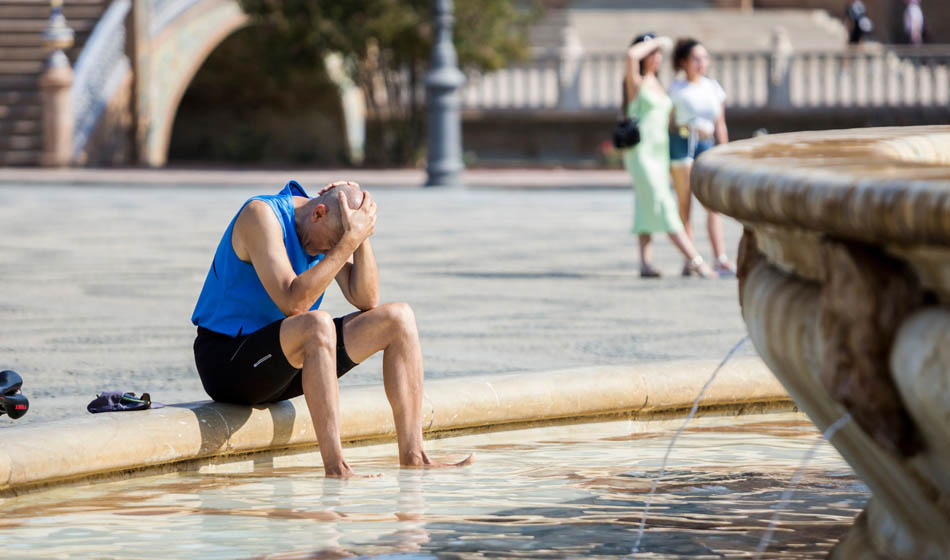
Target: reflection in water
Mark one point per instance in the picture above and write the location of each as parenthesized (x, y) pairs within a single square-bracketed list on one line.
[(572, 491)]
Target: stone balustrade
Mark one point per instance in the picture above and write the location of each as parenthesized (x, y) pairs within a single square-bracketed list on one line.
[(778, 79)]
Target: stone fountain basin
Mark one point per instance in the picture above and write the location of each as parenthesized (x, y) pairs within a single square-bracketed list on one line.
[(186, 436), (844, 281)]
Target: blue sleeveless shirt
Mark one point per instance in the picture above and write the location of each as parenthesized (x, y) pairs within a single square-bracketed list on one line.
[(233, 301)]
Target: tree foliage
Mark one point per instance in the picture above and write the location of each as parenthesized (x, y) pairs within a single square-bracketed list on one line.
[(387, 45), (488, 33)]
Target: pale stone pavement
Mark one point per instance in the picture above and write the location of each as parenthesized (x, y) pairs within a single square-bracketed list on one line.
[(97, 283)]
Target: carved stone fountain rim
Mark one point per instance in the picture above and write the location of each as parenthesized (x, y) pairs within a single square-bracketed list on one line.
[(878, 185)]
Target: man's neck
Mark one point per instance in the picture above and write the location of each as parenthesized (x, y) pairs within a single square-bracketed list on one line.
[(300, 216)]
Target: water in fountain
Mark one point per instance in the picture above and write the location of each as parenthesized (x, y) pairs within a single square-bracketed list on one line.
[(666, 457), (787, 494)]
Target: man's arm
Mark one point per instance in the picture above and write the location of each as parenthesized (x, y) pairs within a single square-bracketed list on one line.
[(257, 238), (359, 279)]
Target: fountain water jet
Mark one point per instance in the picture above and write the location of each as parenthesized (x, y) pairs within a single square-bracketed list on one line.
[(796, 478), (666, 456)]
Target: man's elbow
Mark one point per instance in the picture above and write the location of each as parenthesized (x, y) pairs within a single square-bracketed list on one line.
[(367, 302), (292, 302), (290, 309), (370, 304)]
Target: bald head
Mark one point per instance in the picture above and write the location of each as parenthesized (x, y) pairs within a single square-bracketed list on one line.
[(331, 200), (319, 221)]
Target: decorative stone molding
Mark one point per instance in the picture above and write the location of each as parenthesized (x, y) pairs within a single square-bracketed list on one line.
[(864, 297), (844, 277), (844, 183)]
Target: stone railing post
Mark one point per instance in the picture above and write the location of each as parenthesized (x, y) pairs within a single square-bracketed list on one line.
[(779, 95), (569, 71), (55, 84)]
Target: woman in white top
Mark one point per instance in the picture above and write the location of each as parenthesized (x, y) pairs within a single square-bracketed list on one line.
[(698, 122)]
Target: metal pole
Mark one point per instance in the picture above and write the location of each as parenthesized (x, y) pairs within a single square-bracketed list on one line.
[(443, 81)]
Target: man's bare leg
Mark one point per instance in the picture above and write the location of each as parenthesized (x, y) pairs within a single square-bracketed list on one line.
[(309, 342), (392, 329)]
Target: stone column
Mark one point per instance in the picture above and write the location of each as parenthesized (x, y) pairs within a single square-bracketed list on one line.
[(353, 103), (779, 96), (569, 70), (55, 84), (139, 41), (445, 120)]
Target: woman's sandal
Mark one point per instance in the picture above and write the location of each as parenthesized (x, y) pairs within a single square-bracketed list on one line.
[(647, 271), (687, 272), (699, 267), (723, 267)]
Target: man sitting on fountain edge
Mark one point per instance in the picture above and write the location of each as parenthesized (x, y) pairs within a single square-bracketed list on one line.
[(261, 337)]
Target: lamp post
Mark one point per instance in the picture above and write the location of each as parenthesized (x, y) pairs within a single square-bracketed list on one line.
[(444, 165), (55, 84)]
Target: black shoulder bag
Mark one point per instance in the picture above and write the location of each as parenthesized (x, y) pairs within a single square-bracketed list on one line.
[(626, 133)]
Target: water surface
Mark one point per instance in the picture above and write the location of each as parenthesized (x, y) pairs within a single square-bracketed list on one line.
[(573, 491)]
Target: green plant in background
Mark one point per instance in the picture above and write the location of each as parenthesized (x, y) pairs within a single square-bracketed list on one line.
[(387, 46), (256, 99)]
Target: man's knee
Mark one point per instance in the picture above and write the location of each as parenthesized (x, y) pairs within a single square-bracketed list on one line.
[(401, 316), (319, 330)]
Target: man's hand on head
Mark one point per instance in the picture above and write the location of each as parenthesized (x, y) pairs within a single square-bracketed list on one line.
[(359, 223), (337, 184)]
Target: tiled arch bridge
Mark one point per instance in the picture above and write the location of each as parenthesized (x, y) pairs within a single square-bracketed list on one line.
[(170, 40), (181, 35)]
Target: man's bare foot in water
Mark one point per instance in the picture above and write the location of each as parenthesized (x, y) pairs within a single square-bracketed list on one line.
[(343, 470), (422, 461)]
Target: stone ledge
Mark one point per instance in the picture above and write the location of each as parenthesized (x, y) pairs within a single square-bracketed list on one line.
[(876, 185), (116, 443)]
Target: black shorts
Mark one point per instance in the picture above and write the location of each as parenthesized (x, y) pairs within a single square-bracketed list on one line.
[(252, 369)]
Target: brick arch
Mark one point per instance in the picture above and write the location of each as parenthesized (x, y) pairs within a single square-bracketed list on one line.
[(175, 55)]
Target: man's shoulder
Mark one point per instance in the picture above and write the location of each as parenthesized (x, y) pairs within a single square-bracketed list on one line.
[(258, 214), (255, 210), (256, 225)]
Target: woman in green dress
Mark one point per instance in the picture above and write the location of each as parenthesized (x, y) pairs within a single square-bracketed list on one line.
[(649, 161)]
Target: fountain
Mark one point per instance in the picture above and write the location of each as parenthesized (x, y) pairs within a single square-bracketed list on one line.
[(844, 282)]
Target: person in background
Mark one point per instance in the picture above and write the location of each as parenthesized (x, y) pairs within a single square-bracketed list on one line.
[(914, 22), (859, 24), (697, 124), (649, 161)]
